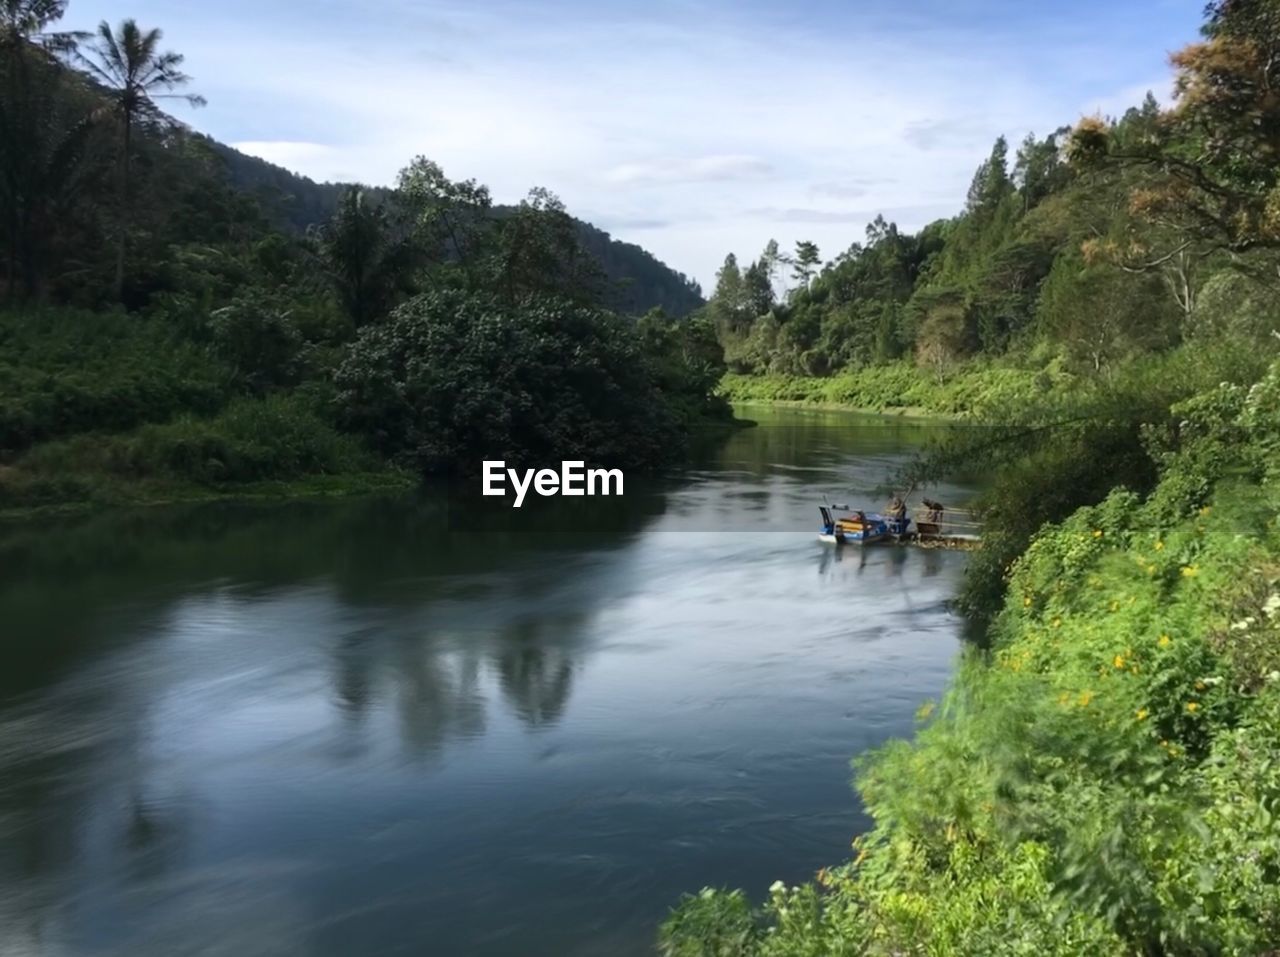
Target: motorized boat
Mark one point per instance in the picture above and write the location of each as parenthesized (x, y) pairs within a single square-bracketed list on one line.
[(842, 525)]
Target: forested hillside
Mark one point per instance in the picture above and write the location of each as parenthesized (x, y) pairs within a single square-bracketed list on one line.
[(637, 281), (1101, 777), (170, 328)]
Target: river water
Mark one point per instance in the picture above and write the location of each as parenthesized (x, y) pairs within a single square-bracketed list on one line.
[(393, 726)]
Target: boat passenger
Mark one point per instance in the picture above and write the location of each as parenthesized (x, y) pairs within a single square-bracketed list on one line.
[(897, 511)]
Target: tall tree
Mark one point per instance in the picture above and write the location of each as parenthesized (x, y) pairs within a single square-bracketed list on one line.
[(27, 22), (759, 289), (806, 262), (363, 260), (38, 151), (453, 219), (128, 62), (538, 252), (991, 183)]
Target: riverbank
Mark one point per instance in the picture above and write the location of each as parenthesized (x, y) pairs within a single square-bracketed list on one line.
[(107, 494), (1102, 779), (898, 389)]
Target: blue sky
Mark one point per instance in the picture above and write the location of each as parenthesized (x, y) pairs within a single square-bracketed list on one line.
[(691, 128)]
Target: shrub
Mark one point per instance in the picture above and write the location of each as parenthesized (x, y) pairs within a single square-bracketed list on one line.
[(64, 372), (251, 440), (449, 381)]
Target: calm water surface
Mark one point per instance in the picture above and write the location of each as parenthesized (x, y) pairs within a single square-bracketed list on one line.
[(388, 727)]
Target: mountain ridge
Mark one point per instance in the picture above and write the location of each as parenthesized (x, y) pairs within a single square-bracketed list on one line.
[(294, 202)]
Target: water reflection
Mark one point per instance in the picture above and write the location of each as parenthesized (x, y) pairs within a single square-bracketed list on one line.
[(395, 725)]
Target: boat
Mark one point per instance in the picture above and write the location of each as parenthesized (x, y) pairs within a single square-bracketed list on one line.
[(857, 527)]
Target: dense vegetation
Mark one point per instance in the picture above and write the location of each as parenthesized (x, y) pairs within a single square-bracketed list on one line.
[(1101, 777), (637, 282), (179, 319)]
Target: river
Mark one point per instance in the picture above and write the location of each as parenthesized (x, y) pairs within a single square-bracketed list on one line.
[(390, 726)]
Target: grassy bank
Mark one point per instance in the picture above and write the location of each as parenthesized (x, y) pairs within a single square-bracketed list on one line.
[(113, 409), (1104, 779), (899, 388)]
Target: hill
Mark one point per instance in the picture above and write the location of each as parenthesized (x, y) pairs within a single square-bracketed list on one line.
[(292, 202)]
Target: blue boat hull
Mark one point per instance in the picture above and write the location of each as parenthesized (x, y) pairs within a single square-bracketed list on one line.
[(875, 528)]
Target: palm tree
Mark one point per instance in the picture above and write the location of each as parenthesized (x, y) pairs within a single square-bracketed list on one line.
[(27, 21), (128, 64), (366, 259)]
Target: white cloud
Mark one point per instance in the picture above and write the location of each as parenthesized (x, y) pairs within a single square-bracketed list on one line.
[(694, 129), (698, 170)]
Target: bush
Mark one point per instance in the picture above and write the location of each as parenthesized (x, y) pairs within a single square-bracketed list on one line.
[(64, 372), (251, 440), (449, 381), (258, 340), (1106, 778)]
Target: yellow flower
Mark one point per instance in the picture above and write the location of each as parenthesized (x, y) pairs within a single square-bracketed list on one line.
[(1057, 623), (1190, 571), (1142, 714), (1119, 661), (1085, 698), (1026, 602), (1193, 706), (1097, 533), (1159, 546), (1165, 641), (1206, 510)]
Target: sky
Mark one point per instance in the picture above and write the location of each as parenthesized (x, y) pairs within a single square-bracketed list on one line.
[(690, 128)]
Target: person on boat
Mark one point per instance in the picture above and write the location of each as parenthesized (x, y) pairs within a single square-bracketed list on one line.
[(898, 512)]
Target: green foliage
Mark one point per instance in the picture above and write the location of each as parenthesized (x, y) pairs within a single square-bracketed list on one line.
[(451, 380), (279, 437), (63, 372), (259, 341), (901, 387), (710, 924), (1102, 779), (222, 371), (364, 258)]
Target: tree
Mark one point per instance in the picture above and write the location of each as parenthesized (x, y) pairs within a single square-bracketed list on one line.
[(366, 264), (944, 335), (1212, 166), (806, 262), (26, 23), (453, 219), (40, 144), (454, 378), (991, 183), (773, 260), (537, 251), (759, 290), (730, 304), (47, 146), (128, 63), (1100, 315), (1039, 168)]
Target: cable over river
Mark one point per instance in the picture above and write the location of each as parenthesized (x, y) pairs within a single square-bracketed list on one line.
[(379, 727)]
